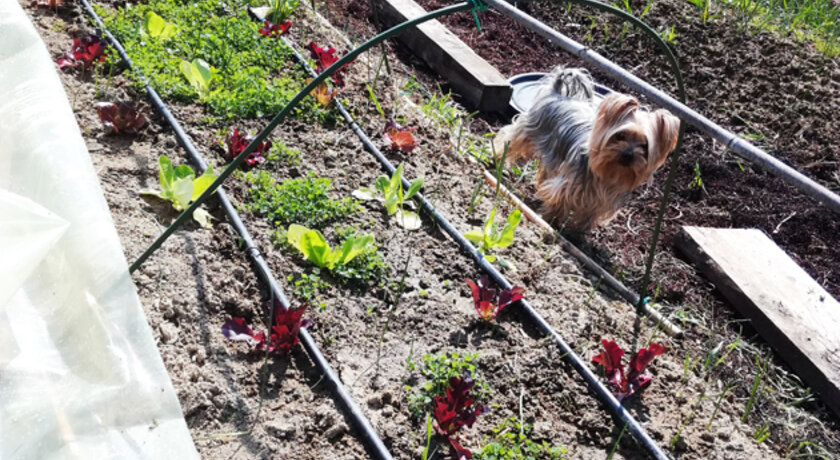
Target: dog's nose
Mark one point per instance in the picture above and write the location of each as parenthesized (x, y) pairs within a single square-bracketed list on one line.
[(625, 157)]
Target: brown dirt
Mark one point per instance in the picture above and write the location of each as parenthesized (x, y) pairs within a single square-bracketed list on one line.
[(200, 278)]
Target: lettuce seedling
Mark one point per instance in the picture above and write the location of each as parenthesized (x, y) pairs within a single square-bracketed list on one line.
[(324, 58), (456, 410), (198, 73), (393, 198), (490, 302), (270, 29), (323, 94), (399, 138), (633, 382), (236, 143), (491, 237), (284, 331), (314, 247), (180, 187), (120, 118), (155, 26), (84, 53)]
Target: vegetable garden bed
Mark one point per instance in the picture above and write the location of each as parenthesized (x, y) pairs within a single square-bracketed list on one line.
[(387, 319)]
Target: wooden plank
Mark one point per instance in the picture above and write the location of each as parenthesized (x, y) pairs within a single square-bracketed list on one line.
[(786, 306), (475, 79)]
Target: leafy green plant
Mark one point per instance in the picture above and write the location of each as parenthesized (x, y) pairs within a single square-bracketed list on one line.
[(284, 154), (307, 285), (251, 77), (304, 200), (511, 441), (437, 370), (314, 247), (199, 74), (156, 27), (180, 187), (392, 196), (491, 237)]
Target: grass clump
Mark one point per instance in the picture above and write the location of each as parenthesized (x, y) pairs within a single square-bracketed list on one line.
[(248, 76), (304, 200), (511, 441), (437, 370), (817, 21)]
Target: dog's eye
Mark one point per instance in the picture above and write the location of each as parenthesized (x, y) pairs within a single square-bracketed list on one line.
[(620, 137)]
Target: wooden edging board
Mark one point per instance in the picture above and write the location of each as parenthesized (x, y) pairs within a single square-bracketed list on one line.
[(790, 310), (481, 84)]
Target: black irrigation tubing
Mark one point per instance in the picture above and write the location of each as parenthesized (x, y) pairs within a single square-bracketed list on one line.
[(593, 382), (376, 448)]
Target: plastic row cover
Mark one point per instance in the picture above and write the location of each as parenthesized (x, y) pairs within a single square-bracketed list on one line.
[(80, 375)]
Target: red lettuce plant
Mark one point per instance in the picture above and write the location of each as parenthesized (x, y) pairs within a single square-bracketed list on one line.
[(284, 331), (122, 117), (85, 52), (399, 138), (455, 410), (325, 58), (635, 380), (490, 302), (269, 29), (323, 94), (236, 143)]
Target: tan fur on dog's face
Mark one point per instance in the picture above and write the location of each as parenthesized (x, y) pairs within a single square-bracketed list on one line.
[(628, 144)]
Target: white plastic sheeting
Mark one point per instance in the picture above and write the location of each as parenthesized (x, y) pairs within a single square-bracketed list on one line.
[(80, 375)]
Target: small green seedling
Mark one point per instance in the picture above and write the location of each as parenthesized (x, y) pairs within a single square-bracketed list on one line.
[(198, 73), (314, 247), (393, 198), (491, 237), (180, 186), (155, 26), (280, 10)]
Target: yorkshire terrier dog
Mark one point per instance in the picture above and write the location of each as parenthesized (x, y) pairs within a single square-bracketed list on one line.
[(592, 154)]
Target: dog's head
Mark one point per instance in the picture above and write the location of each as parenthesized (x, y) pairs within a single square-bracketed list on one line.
[(628, 144)]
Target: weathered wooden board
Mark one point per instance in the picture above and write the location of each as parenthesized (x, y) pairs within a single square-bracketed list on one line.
[(786, 306), (473, 77)]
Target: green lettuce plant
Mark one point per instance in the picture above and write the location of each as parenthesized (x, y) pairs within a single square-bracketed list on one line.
[(180, 187), (198, 73), (390, 193), (156, 27), (314, 247), (491, 237)]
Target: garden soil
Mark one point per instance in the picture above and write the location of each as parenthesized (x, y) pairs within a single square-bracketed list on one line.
[(200, 277)]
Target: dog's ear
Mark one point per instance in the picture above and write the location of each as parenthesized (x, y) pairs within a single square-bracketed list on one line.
[(612, 110), (665, 131)]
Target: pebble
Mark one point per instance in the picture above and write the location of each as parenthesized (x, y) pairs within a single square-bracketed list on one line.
[(335, 431), (168, 332), (280, 428), (706, 436)]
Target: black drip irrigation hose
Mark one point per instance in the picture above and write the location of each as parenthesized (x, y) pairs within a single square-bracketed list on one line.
[(371, 440), (612, 404)]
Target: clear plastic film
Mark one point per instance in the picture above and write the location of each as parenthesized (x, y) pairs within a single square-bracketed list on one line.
[(80, 375)]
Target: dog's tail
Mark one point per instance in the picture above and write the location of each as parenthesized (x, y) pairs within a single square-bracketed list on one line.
[(571, 83)]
